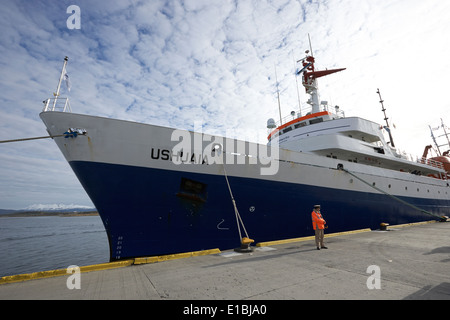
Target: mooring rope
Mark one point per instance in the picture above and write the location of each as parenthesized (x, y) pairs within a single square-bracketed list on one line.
[(33, 138), (341, 167), (219, 149), (236, 211)]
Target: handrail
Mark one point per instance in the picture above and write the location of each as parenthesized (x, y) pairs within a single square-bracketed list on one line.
[(431, 162), (306, 111), (57, 104), (436, 164)]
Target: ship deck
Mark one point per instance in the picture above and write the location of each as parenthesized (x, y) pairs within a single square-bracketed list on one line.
[(412, 261)]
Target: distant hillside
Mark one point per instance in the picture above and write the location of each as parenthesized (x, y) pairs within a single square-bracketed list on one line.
[(7, 211)]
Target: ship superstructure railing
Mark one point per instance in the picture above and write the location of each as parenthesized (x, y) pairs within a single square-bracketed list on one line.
[(410, 157), (435, 164), (57, 104), (431, 162), (335, 111)]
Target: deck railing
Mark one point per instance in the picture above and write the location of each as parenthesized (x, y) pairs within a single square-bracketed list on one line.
[(435, 164), (335, 111), (57, 104), (432, 163)]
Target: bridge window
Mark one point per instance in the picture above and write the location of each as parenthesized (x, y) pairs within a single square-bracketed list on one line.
[(317, 120), (301, 124), (287, 129)]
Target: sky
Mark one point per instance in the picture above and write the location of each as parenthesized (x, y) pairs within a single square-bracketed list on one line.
[(177, 63)]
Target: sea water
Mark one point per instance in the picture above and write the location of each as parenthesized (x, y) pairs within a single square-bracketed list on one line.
[(33, 244)]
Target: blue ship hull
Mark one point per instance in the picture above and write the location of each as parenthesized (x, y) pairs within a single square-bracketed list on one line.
[(149, 211)]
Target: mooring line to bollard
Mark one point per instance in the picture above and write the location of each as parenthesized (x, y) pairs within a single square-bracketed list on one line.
[(341, 167), (33, 138)]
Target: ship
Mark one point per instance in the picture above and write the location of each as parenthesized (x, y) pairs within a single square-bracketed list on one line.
[(162, 190)]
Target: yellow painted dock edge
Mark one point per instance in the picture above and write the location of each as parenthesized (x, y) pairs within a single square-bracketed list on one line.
[(276, 242), (412, 224), (104, 266), (62, 272), (144, 260), (175, 256), (311, 238)]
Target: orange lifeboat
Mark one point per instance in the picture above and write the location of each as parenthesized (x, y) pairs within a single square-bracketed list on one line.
[(445, 160)]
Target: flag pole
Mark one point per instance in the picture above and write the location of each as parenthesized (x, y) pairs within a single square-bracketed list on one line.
[(60, 80)]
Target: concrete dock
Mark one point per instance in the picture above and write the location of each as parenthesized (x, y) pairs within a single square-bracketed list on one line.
[(405, 262)]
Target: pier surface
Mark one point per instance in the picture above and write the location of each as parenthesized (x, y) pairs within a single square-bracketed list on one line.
[(405, 262)]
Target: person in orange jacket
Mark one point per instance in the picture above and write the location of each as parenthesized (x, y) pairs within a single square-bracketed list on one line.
[(319, 225)]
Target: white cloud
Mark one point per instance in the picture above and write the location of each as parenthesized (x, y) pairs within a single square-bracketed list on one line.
[(174, 62)]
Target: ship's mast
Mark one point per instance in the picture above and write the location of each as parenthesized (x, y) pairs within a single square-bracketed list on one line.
[(434, 140), (278, 94), (63, 71), (310, 45), (388, 129), (310, 79), (445, 132), (443, 126)]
